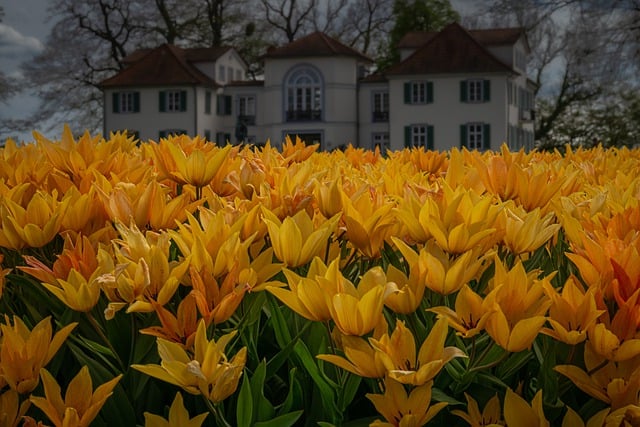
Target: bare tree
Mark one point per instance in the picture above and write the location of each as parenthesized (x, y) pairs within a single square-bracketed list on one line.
[(581, 51), (290, 17), (367, 24)]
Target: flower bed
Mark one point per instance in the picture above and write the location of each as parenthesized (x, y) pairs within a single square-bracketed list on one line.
[(184, 283)]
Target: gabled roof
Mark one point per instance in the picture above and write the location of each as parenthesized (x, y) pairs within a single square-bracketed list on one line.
[(486, 37), (162, 66), (452, 50), (315, 44)]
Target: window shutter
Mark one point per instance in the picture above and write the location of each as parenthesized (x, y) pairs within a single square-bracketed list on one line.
[(429, 92), (162, 134), (463, 91), (486, 136), (116, 102), (407, 136), (227, 138), (163, 101), (219, 105), (183, 100), (227, 104), (429, 137), (463, 136), (407, 93), (486, 90), (207, 102), (136, 102)]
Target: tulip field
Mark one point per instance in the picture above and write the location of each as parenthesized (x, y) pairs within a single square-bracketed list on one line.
[(183, 283)]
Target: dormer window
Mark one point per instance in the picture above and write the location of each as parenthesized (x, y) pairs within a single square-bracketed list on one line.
[(303, 90)]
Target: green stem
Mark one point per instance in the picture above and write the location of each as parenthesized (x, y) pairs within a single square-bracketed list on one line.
[(490, 364), (217, 414), (484, 354), (96, 326)]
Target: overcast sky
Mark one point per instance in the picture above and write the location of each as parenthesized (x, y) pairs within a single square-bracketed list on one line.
[(24, 29)]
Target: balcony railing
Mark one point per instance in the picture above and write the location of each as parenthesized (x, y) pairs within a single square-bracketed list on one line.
[(304, 115), (380, 116), (247, 120)]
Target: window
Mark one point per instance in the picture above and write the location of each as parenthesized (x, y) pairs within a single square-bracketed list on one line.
[(380, 107), (222, 73), (418, 92), (222, 138), (380, 140), (230, 73), (207, 102), (173, 101), (418, 136), (475, 90), (126, 102), (475, 136), (247, 109), (168, 132), (303, 88), (223, 105)]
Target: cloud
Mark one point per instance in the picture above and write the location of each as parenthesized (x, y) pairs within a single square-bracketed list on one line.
[(14, 45)]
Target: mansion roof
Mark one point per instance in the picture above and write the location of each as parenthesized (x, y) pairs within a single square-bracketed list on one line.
[(315, 44)]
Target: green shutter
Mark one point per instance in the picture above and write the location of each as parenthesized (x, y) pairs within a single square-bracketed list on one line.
[(486, 136), (162, 101), (219, 105), (429, 92), (116, 102), (136, 102), (463, 136), (407, 93), (463, 91), (429, 137), (407, 136), (183, 100), (207, 102), (486, 90), (227, 105)]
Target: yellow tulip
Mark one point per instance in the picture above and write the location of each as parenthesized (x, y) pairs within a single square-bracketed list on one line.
[(460, 220), (572, 419), (34, 225), (616, 339), (446, 274), (368, 220), (410, 290), (357, 311), (490, 415), (3, 274), (518, 306), (197, 167), (207, 372), (360, 358), (614, 383), (527, 231), (23, 352), (398, 353), (178, 416), (572, 312), (11, 410), (296, 240), (401, 409), (328, 197), (81, 403), (179, 328), (308, 296), (517, 411), (470, 313)]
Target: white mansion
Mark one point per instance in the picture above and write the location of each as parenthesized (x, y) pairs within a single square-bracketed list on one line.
[(456, 87)]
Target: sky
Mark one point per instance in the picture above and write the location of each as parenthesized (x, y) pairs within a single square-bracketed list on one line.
[(23, 31)]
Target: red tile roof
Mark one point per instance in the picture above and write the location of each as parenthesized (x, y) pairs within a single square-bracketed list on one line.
[(452, 50), (487, 37), (162, 66), (315, 44)]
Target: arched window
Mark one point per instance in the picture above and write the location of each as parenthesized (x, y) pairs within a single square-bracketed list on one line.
[(303, 89)]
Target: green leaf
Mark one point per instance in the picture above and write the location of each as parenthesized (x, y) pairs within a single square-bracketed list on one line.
[(327, 390), (513, 364), (263, 408), (295, 391), (280, 326), (286, 420), (244, 410), (440, 396), (349, 390)]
